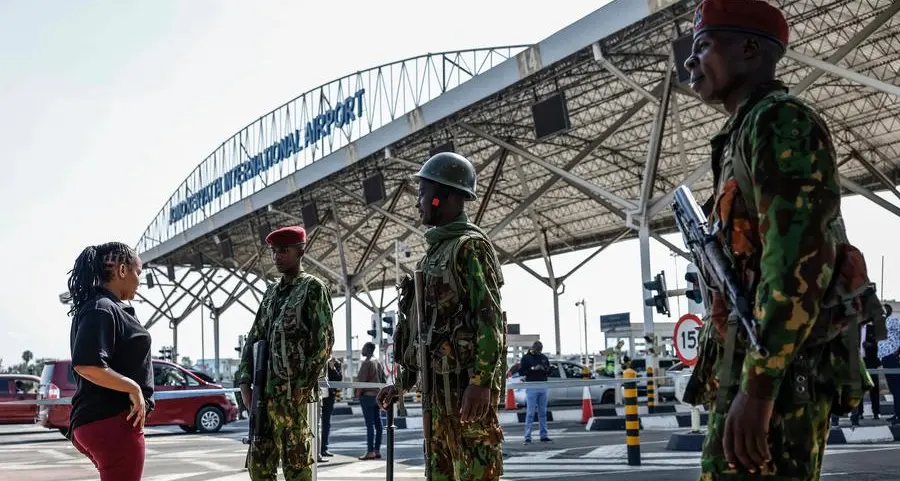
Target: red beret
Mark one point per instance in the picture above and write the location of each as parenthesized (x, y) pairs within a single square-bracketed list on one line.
[(757, 17), (287, 236)]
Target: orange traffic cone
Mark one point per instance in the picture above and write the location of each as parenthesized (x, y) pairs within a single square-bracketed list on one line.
[(510, 400), (587, 408)]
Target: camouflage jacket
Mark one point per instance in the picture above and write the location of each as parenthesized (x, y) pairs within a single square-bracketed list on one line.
[(295, 318), (463, 320), (784, 254)]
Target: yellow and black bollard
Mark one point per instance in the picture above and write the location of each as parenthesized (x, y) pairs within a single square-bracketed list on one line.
[(651, 392), (632, 421)]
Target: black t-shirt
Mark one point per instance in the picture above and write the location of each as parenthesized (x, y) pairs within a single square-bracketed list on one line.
[(106, 333), (535, 367)]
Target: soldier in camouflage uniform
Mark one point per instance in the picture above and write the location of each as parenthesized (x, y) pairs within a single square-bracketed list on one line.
[(464, 326), (776, 211), (295, 317)]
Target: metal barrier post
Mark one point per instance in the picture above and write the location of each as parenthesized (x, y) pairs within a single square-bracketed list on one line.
[(389, 469), (632, 421), (651, 391), (616, 373), (695, 419), (312, 417)]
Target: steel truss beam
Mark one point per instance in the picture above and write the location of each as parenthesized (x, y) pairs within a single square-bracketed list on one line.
[(848, 47), (572, 179), (844, 73), (868, 194), (659, 127), (395, 197), (571, 164), (486, 199)]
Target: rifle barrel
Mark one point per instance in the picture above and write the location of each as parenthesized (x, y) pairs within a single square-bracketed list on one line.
[(709, 257), (425, 372)]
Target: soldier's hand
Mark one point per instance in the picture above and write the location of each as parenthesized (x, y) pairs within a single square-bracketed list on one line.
[(475, 403), (387, 396), (745, 440)]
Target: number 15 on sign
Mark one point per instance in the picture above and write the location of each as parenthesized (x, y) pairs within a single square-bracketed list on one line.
[(687, 338)]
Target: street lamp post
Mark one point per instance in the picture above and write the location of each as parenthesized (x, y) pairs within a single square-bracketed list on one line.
[(584, 307)]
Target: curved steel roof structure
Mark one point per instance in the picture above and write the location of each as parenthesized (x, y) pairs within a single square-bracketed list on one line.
[(636, 133), (309, 128)]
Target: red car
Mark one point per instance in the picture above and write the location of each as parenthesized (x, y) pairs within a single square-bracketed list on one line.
[(18, 387), (207, 413)]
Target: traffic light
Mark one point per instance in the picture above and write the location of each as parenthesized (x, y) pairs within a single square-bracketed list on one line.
[(375, 332), (693, 292), (389, 319), (167, 353), (660, 300)]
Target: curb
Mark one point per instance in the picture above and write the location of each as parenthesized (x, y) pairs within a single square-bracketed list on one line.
[(650, 421), (688, 441), (864, 435)]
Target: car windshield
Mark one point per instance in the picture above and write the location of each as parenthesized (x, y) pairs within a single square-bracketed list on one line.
[(47, 374)]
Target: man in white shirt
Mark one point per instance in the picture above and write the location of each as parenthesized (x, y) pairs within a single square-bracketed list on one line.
[(889, 353)]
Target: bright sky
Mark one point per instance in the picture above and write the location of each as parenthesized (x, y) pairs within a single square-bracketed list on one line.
[(106, 106)]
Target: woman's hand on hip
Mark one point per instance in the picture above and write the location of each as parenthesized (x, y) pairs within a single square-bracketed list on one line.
[(138, 407)]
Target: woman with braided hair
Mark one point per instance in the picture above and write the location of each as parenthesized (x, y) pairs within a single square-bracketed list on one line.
[(111, 361)]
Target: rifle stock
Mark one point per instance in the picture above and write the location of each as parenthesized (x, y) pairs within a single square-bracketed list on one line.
[(257, 402), (711, 261), (424, 368)]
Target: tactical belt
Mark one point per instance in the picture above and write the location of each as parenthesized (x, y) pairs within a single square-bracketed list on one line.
[(799, 370)]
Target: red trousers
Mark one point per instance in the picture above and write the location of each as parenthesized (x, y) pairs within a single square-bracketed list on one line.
[(115, 447)]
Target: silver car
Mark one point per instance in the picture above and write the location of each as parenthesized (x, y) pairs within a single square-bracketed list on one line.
[(564, 370)]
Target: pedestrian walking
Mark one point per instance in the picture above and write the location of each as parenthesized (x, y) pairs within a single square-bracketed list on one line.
[(371, 371)]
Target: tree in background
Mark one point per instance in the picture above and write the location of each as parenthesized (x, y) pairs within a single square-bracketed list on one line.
[(25, 367), (187, 362)]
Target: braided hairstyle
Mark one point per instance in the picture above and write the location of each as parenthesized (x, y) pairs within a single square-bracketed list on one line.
[(94, 267)]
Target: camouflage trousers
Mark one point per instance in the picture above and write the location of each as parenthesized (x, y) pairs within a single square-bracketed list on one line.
[(464, 452), (286, 438), (797, 437)]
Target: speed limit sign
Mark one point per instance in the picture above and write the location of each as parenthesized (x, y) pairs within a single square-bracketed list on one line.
[(687, 338)]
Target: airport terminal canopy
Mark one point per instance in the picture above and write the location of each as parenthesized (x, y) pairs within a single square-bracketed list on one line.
[(578, 140)]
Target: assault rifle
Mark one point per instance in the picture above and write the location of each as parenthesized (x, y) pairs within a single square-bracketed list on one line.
[(424, 369), (257, 403), (709, 259)]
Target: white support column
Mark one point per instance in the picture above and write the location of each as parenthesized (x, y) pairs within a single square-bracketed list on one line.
[(174, 327), (348, 293), (216, 341), (644, 241)]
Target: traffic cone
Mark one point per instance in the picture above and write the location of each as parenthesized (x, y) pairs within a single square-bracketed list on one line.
[(587, 408), (510, 400)]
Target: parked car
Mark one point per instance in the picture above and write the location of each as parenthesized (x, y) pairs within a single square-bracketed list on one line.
[(206, 413), (202, 375), (564, 370), (18, 387)]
